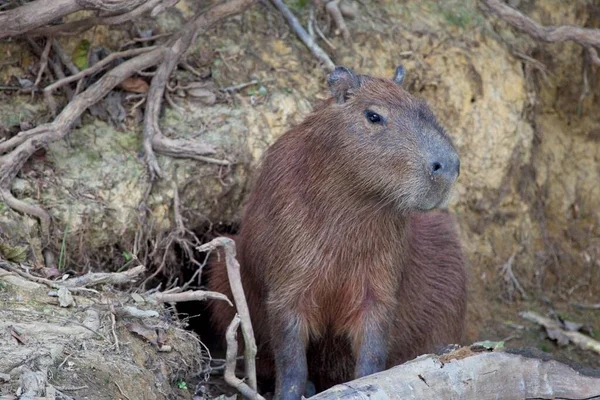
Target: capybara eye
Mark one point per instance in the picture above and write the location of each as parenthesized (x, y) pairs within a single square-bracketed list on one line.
[(373, 117)]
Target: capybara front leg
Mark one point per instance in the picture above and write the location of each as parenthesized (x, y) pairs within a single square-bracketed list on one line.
[(288, 340), (370, 348)]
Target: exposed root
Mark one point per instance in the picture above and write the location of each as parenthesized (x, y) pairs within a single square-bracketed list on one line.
[(588, 38), (235, 281), (43, 62), (308, 41), (102, 278), (587, 306), (15, 151), (192, 295), (231, 361), (51, 284), (338, 19), (510, 280), (96, 67), (154, 140), (121, 12), (30, 209)]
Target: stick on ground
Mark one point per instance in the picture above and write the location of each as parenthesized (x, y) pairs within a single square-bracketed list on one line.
[(579, 339), (191, 295)]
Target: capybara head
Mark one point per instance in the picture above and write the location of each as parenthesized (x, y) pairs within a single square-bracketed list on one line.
[(392, 147)]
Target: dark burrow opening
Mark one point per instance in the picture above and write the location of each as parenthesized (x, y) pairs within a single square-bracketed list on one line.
[(197, 314)]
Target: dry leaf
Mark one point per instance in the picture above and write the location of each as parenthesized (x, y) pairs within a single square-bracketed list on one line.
[(134, 85), (148, 334)]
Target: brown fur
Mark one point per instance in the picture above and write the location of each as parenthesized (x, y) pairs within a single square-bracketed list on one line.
[(331, 242)]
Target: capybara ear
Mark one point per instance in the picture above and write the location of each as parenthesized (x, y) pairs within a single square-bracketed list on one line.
[(342, 82), (399, 75)]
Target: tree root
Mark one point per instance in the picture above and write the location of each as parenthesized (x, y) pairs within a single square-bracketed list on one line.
[(231, 361), (235, 281), (191, 295), (588, 38), (308, 41), (15, 151), (333, 10)]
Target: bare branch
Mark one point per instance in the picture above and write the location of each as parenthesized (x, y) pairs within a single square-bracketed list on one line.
[(41, 136), (101, 278), (43, 62), (52, 284), (235, 281), (21, 147), (588, 38), (38, 13), (303, 35), (22, 207), (76, 27), (336, 15), (231, 361), (587, 306), (98, 66), (33, 15), (192, 295), (174, 49)]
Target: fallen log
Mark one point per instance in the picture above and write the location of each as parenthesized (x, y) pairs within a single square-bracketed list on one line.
[(464, 374)]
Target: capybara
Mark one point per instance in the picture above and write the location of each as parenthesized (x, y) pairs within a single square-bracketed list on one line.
[(347, 266)]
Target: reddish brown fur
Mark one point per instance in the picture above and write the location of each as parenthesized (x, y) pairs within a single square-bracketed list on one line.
[(328, 242)]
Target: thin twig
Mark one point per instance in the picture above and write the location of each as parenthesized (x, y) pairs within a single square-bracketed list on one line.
[(324, 38), (113, 324), (235, 281), (588, 38), (70, 388), (586, 306), (231, 362), (303, 35), (235, 88), (145, 39), (64, 57), (43, 61), (510, 279), (121, 390), (336, 15), (98, 66), (311, 21), (37, 279)]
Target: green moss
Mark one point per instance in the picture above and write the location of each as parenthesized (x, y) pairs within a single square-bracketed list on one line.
[(297, 5), (545, 347)]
